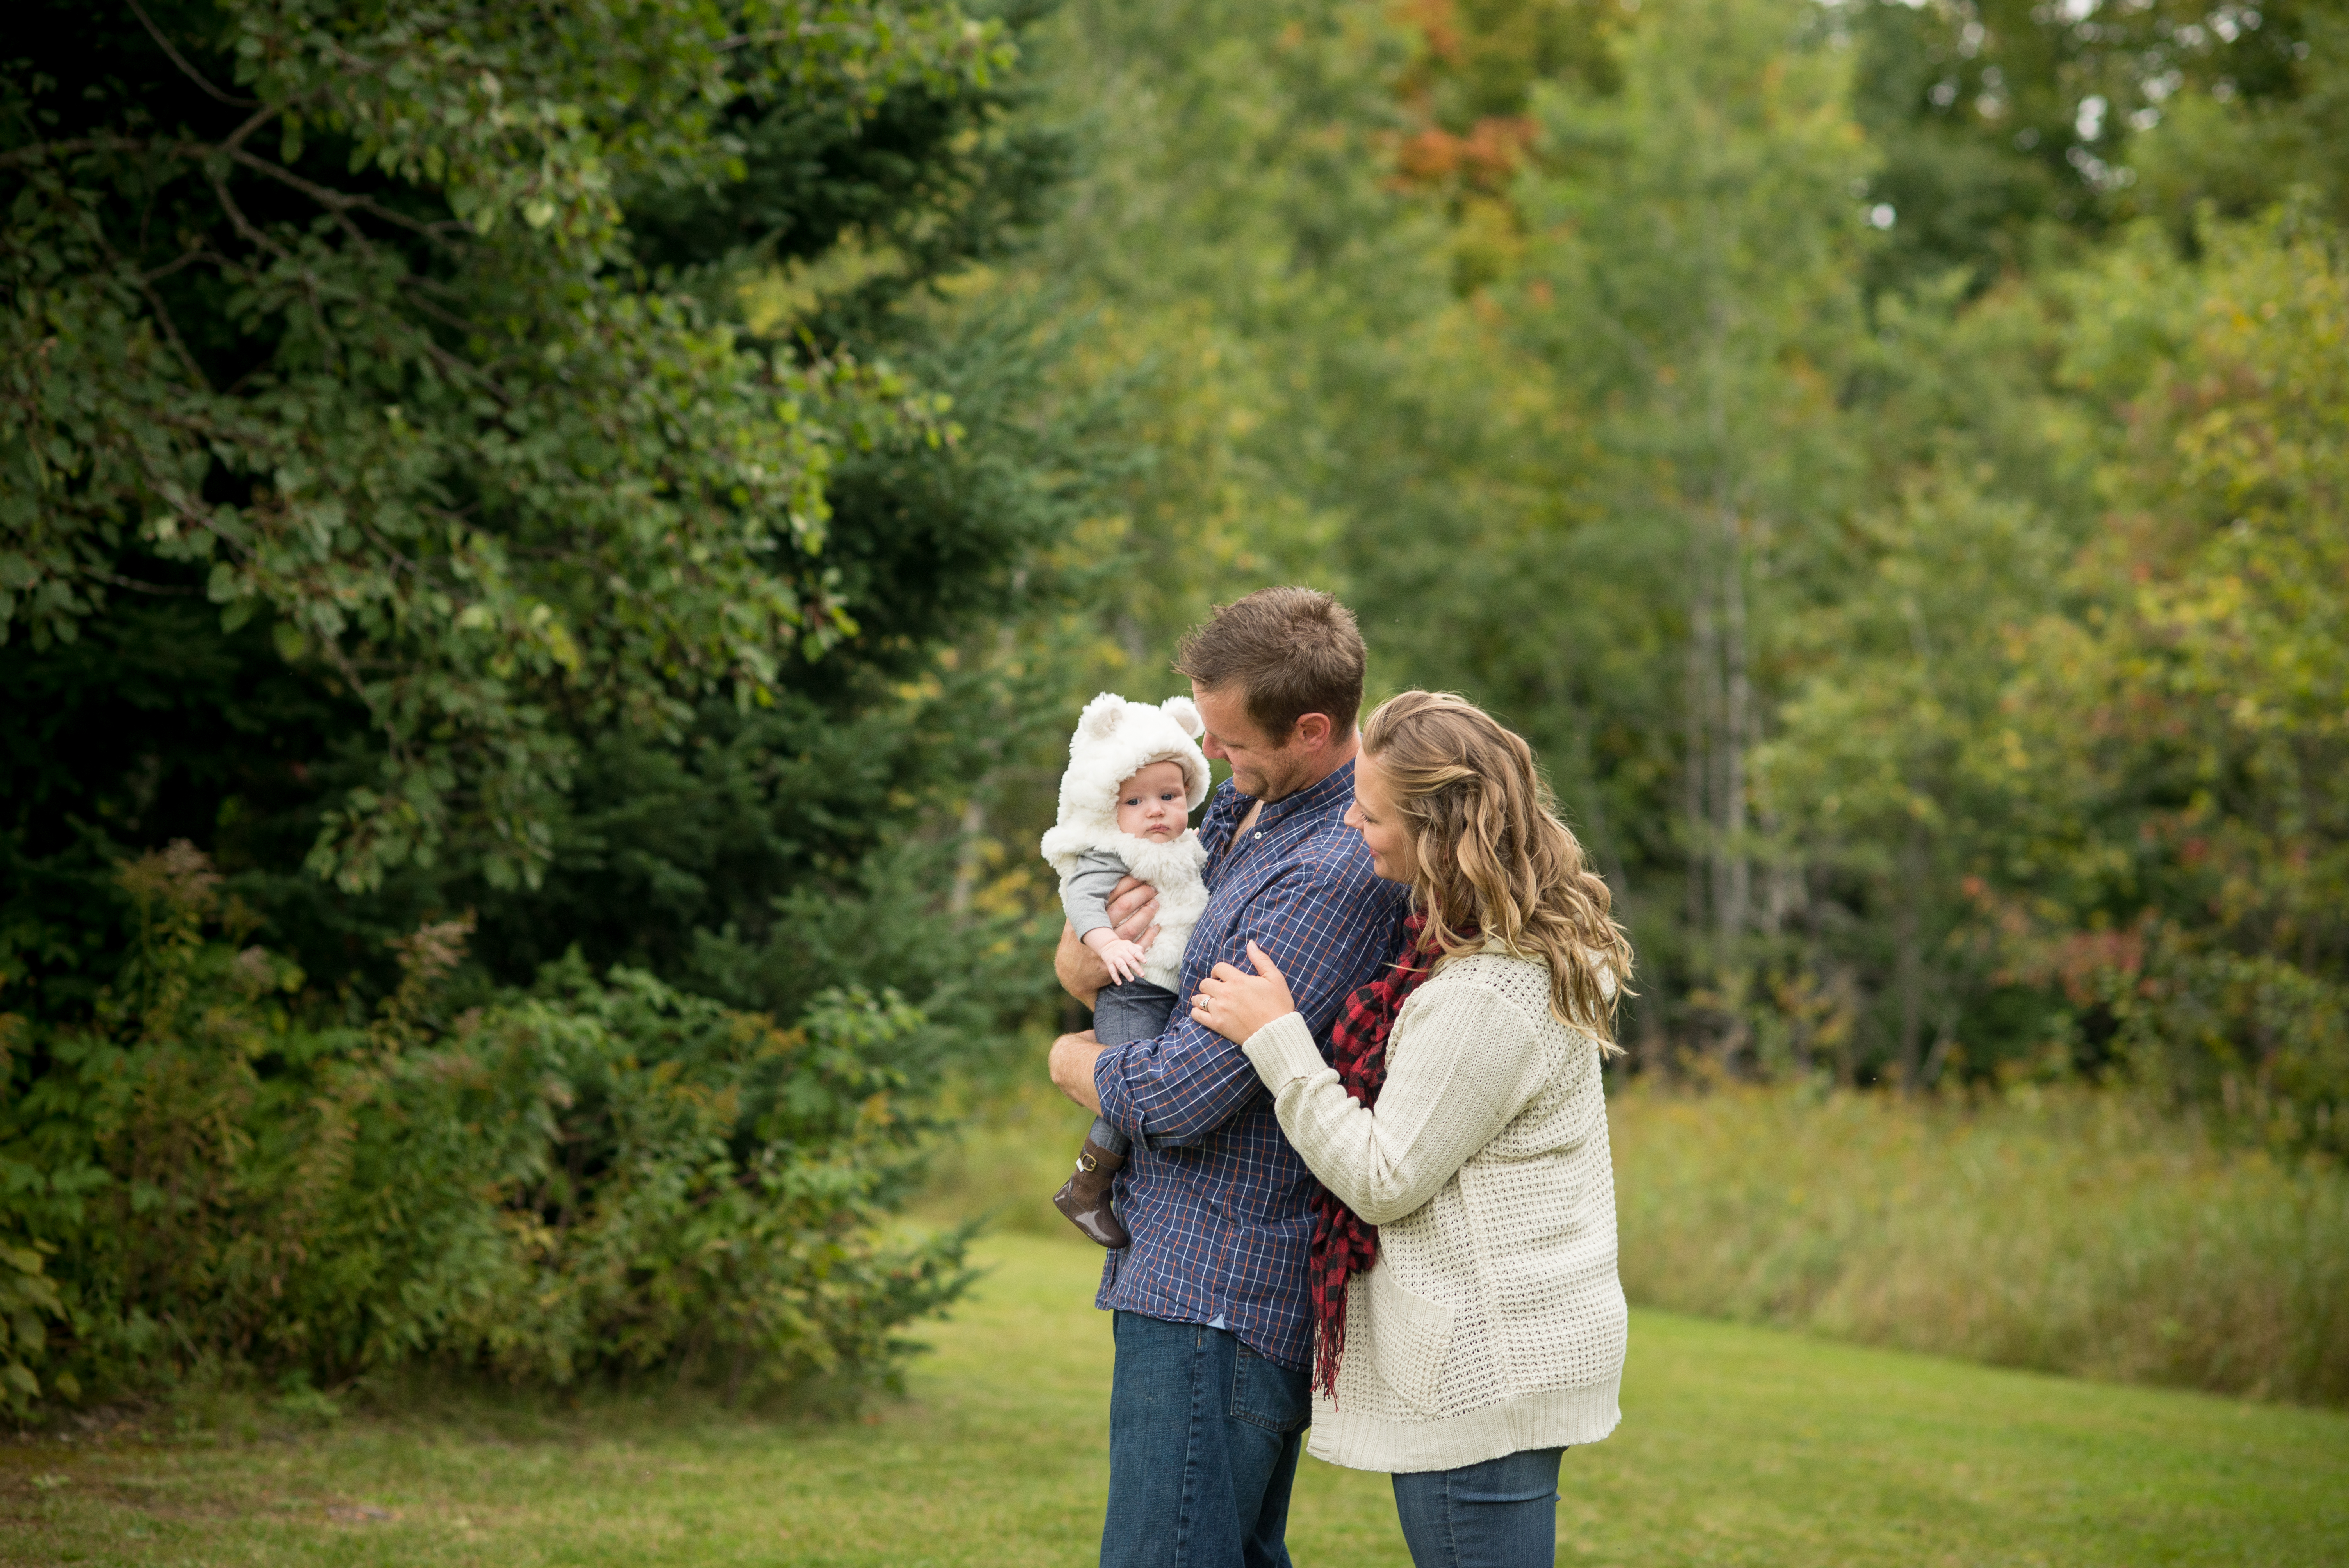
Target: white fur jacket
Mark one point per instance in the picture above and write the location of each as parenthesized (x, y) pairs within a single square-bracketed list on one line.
[(1114, 740)]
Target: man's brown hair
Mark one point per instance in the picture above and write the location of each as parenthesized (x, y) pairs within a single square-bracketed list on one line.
[(1288, 651)]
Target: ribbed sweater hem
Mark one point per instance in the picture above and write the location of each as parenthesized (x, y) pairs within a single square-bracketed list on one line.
[(1550, 1419)]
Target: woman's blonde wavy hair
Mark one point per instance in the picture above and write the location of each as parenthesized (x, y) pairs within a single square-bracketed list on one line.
[(1487, 847)]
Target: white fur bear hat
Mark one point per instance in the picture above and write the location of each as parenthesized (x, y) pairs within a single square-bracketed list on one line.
[(1114, 740)]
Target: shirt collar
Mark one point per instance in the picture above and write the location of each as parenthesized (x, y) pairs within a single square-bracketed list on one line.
[(1334, 791)]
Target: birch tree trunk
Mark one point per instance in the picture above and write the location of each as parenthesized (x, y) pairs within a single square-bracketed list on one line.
[(1908, 959), (1735, 876)]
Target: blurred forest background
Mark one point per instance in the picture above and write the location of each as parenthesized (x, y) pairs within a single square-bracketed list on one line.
[(547, 562)]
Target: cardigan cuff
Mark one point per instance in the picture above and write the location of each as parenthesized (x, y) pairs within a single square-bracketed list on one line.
[(1283, 1052)]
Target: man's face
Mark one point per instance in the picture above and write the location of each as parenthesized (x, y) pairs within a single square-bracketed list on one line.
[(1260, 768)]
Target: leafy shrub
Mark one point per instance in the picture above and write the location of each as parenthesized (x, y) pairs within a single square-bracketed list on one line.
[(27, 1296), (600, 1176), (2070, 1232)]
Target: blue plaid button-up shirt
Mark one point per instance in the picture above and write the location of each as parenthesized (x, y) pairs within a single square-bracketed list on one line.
[(1220, 1206)]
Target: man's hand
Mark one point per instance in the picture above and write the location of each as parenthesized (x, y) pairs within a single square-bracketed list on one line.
[(1073, 1069), (1132, 909)]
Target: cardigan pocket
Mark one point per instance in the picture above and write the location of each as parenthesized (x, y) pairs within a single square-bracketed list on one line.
[(1410, 1339)]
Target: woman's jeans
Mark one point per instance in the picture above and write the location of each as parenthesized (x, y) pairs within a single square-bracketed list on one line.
[(1502, 1513), (1136, 1010)]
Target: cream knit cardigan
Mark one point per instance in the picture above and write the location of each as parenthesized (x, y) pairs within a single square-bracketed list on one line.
[(1492, 1321)]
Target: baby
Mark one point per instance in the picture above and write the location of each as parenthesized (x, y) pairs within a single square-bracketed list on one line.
[(1135, 774)]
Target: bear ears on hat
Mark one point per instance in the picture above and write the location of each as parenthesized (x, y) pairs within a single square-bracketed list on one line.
[(1101, 717)]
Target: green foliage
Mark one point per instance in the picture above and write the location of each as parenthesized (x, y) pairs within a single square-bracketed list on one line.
[(28, 1297), (547, 447), (758, 550), (436, 429), (592, 1179), (1815, 430), (2093, 765), (1248, 268), (2010, 131), (660, 479), (1694, 352), (2181, 740)]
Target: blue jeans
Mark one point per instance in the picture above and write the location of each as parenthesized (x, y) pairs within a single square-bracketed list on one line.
[(1502, 1513), (1204, 1435)]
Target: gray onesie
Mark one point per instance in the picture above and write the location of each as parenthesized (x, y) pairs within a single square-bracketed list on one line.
[(1084, 892)]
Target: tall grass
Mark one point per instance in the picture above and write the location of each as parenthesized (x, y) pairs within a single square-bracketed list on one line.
[(2068, 1231)]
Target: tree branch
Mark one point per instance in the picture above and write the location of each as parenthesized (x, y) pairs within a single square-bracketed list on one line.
[(37, 151), (182, 62), (258, 118), (172, 330), (146, 285), (187, 258), (336, 202), (419, 298), (136, 586), (243, 225)]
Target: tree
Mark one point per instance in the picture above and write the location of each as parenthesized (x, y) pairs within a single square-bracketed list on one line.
[(554, 586), (530, 465), (428, 421), (2010, 131), (1686, 293), (2179, 741)]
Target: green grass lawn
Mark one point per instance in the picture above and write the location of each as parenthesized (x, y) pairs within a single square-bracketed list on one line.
[(1738, 1446)]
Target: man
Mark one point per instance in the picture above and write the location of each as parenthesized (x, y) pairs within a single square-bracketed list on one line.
[(1208, 1403)]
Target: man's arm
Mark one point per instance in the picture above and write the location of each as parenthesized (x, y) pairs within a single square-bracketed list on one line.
[(1082, 975), (1326, 933), (1071, 1067)]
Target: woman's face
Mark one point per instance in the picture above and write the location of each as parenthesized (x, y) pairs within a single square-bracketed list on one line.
[(1373, 816)]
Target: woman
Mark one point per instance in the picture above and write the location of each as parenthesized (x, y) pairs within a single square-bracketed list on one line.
[(1477, 1330)]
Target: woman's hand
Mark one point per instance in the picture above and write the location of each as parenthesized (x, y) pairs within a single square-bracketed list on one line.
[(1236, 1004)]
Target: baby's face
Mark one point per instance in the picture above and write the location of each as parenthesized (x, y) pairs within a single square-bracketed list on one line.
[(1150, 804)]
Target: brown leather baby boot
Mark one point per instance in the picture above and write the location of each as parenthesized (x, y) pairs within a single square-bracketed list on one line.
[(1084, 1197)]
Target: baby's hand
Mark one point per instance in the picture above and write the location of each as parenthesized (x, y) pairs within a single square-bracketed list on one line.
[(1123, 958)]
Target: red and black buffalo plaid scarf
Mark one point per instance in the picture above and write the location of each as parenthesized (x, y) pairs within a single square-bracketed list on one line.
[(1343, 1244)]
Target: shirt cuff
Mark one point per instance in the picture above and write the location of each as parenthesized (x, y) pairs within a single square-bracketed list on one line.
[(1283, 1051), (1080, 926)]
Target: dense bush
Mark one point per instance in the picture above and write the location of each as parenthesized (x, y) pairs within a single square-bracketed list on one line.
[(521, 463), (2058, 1230), (598, 1177)]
